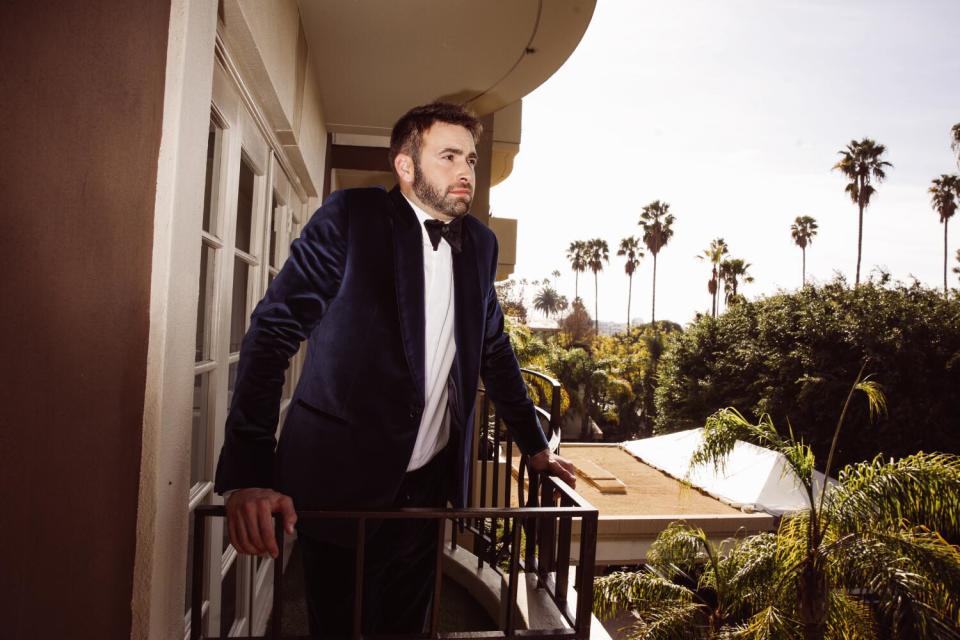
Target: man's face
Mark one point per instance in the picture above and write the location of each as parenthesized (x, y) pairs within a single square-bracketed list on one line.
[(445, 171)]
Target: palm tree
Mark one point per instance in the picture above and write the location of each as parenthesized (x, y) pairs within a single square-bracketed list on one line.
[(714, 254), (576, 254), (861, 163), (955, 141), (689, 587), (733, 271), (867, 554), (547, 301), (657, 223), (944, 193), (802, 231), (869, 550), (596, 253), (630, 247)]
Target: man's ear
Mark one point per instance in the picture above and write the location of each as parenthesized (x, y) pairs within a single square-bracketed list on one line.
[(403, 167)]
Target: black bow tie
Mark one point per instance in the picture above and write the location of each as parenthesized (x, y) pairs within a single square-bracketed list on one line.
[(451, 232)]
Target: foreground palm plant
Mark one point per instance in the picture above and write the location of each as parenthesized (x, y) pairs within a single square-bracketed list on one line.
[(868, 558)]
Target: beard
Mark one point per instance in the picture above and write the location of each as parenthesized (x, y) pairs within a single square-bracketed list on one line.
[(432, 197)]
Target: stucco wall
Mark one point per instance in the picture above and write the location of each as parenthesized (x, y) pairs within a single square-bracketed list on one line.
[(81, 114)]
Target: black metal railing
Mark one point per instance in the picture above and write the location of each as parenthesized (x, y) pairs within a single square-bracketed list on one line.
[(533, 538)]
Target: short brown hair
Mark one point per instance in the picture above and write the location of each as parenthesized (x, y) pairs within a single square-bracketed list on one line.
[(407, 135)]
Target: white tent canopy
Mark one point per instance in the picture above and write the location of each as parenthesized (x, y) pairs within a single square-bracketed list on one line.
[(752, 479)]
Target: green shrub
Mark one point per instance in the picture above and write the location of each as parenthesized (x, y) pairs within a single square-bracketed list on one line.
[(792, 356)]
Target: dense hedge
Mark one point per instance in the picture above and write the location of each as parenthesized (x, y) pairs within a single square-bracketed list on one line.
[(795, 356)]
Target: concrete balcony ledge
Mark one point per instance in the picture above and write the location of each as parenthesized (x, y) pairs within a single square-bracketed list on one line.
[(534, 608)]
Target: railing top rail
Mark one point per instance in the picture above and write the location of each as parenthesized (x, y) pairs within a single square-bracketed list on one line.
[(420, 513), (553, 381), (572, 495)]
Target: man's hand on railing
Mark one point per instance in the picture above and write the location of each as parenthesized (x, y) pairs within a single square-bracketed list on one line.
[(250, 519), (554, 464)]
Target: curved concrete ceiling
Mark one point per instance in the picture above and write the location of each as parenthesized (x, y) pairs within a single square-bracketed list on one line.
[(374, 59)]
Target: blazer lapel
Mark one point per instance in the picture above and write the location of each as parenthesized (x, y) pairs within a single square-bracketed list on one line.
[(408, 261), (468, 311)]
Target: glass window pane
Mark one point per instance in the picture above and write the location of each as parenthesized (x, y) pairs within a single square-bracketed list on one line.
[(238, 310), (273, 232), (198, 451), (244, 206), (213, 143), (205, 302)]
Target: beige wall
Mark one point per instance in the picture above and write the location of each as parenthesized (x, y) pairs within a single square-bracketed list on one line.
[(83, 89), (267, 41)]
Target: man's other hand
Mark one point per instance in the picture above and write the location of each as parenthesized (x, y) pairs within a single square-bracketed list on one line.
[(250, 519), (555, 465)]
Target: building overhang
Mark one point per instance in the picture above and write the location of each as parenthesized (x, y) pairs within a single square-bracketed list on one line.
[(374, 59)]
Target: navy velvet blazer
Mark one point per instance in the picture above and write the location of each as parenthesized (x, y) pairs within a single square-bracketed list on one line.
[(354, 284)]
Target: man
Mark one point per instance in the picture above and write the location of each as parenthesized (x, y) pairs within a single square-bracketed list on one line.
[(395, 292)]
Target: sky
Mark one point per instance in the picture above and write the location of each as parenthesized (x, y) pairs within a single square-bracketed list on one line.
[(733, 112)]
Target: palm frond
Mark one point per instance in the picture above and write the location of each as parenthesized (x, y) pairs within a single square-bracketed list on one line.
[(849, 618), (921, 489), (681, 549), (770, 623), (682, 621), (635, 591), (909, 578)]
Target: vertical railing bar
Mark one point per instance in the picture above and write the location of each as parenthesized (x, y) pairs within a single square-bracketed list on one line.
[(481, 523), (495, 499), (454, 524), (588, 550), (514, 578), (250, 576), (438, 580), (196, 597), (546, 542), (358, 577), (507, 483), (530, 525), (276, 615), (564, 534)]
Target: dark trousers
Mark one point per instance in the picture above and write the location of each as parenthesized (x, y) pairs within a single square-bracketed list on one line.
[(398, 566)]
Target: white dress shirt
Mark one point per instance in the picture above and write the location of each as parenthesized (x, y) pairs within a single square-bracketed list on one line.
[(440, 346)]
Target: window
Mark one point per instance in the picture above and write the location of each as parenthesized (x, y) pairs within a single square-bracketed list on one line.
[(249, 212)]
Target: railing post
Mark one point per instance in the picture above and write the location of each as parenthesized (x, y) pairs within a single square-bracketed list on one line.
[(588, 553), (546, 543), (276, 615), (437, 580), (358, 578), (196, 596), (511, 625)]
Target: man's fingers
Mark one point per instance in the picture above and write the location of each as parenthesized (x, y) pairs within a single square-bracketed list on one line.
[(285, 507), (265, 522), (242, 543), (251, 520)]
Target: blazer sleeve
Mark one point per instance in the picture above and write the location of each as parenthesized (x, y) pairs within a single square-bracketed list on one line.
[(294, 303), (502, 378)]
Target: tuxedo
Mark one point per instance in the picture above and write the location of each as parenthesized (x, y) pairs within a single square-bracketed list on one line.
[(354, 286)]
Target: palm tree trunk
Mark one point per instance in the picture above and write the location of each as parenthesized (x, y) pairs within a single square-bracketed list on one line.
[(576, 285), (945, 221), (596, 303), (653, 310), (630, 296), (804, 250), (856, 282)]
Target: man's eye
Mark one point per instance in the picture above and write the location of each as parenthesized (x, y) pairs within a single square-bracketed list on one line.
[(472, 162)]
